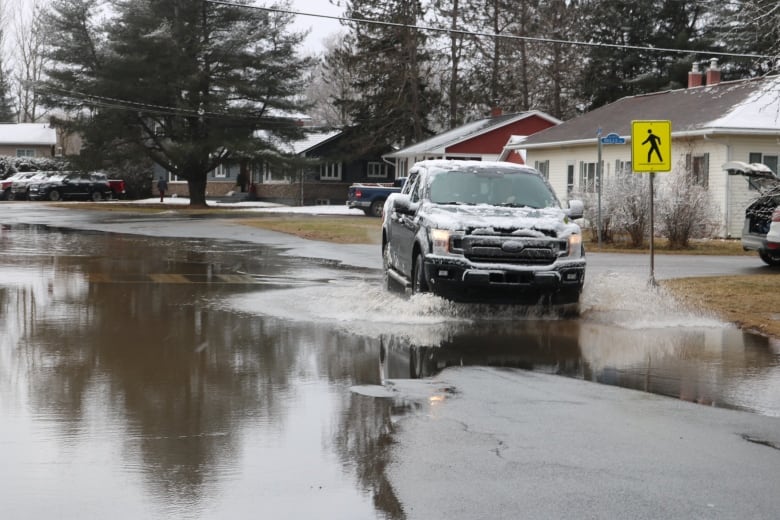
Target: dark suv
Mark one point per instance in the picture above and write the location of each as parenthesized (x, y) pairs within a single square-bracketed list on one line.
[(483, 231), (71, 186)]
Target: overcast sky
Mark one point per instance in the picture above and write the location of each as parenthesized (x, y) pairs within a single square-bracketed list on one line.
[(321, 28)]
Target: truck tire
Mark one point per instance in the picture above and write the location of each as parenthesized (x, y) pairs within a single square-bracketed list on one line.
[(387, 281), (376, 208), (419, 285)]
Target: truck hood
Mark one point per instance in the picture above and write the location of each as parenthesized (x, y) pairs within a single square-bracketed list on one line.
[(485, 219)]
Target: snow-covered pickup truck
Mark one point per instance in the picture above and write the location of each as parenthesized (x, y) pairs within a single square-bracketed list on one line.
[(371, 197), (483, 231)]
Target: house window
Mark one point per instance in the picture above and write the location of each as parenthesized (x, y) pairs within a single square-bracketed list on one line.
[(588, 177), (569, 178), (769, 160), (622, 167), (25, 152), (543, 167), (220, 172), (330, 172), (376, 170), (698, 167)]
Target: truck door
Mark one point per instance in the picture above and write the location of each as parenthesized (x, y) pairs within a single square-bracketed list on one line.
[(406, 226)]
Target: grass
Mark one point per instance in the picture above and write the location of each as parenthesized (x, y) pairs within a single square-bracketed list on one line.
[(336, 229), (750, 301)]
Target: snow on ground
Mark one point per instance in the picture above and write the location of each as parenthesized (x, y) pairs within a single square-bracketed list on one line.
[(263, 207)]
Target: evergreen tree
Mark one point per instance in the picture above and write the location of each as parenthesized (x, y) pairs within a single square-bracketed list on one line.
[(8, 112), (614, 72), (190, 83), (388, 65)]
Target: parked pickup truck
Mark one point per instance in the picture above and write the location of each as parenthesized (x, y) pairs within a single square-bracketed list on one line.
[(483, 231), (370, 197)]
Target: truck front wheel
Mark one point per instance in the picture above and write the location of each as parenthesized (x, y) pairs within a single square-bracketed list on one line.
[(419, 285)]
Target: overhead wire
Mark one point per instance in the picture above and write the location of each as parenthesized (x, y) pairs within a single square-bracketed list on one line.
[(115, 103), (464, 32)]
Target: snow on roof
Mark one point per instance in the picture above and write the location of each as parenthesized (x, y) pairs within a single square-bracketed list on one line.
[(27, 134), (309, 141), (438, 144), (759, 110), (749, 106), (312, 140)]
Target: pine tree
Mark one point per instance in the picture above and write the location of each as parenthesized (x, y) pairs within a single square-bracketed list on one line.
[(628, 67), (8, 112), (389, 66), (190, 83)]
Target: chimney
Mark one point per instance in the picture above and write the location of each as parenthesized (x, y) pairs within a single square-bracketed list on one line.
[(713, 73), (695, 76), (496, 111)]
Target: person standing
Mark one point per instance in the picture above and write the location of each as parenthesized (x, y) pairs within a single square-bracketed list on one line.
[(162, 187)]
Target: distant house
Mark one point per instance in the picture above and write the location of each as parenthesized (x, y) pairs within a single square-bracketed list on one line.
[(712, 124), (481, 140), (28, 140), (315, 173)]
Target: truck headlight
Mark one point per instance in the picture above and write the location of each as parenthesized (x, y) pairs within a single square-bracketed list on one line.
[(440, 240), (575, 246)]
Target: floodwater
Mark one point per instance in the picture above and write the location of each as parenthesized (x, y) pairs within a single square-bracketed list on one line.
[(199, 379)]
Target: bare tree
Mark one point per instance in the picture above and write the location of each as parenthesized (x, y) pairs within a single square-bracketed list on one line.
[(685, 209), (29, 35), (331, 80)]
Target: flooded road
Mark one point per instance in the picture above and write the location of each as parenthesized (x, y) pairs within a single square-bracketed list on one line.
[(197, 378)]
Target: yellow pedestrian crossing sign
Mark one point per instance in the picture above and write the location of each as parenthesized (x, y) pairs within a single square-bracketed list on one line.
[(651, 146)]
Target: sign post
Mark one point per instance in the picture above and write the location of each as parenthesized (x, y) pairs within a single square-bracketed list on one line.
[(651, 152), (611, 138)]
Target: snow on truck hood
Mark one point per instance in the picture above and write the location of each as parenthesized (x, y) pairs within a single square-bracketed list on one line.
[(484, 216)]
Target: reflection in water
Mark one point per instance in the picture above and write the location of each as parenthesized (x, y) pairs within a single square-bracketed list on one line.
[(193, 379), (123, 389), (723, 367)]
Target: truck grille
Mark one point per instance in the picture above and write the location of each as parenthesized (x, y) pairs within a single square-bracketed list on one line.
[(510, 249)]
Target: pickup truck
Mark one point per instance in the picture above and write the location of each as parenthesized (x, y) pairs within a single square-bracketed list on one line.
[(481, 231), (370, 197)]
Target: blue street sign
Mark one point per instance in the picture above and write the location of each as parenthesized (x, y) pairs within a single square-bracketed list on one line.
[(613, 139)]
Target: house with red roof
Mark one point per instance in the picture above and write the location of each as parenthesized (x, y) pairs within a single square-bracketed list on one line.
[(481, 140)]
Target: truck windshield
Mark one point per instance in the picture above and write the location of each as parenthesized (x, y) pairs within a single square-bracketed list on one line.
[(497, 188)]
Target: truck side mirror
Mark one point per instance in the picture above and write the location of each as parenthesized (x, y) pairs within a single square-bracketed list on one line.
[(402, 203), (576, 209)]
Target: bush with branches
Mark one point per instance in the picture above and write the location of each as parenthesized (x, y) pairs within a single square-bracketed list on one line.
[(685, 210), (624, 209)]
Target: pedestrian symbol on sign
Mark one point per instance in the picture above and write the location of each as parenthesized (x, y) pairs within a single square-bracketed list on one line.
[(654, 141)]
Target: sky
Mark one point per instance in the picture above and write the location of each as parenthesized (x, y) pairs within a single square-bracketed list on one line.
[(321, 28)]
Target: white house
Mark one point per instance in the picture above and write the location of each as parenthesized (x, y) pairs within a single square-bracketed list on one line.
[(711, 125), (28, 140)]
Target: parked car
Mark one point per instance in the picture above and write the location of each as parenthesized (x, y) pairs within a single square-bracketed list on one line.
[(761, 231), (5, 184), (371, 197), (20, 187), (71, 186), (483, 231)]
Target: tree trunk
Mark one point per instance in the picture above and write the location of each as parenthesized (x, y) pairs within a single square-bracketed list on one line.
[(197, 187)]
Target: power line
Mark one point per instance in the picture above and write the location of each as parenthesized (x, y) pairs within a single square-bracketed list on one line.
[(95, 100), (492, 35)]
